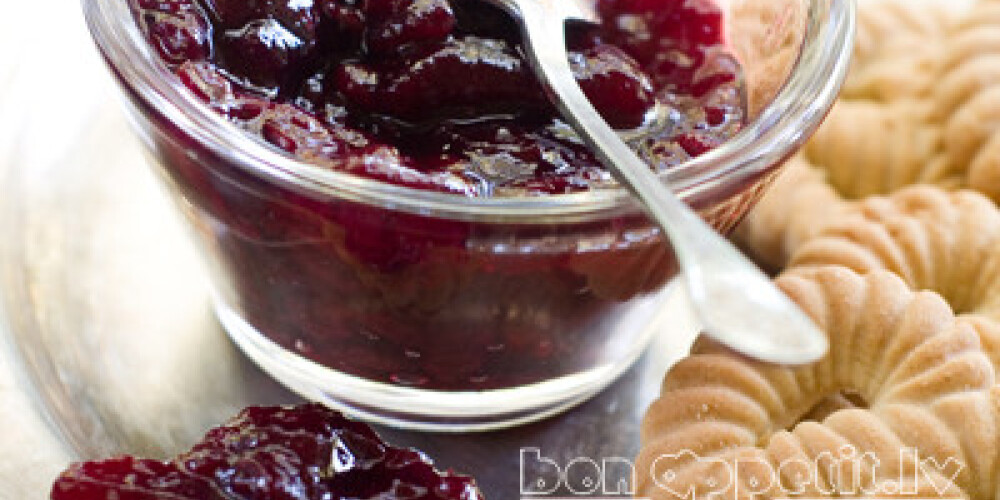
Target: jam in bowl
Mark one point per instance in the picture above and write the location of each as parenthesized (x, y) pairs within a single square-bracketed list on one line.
[(396, 220)]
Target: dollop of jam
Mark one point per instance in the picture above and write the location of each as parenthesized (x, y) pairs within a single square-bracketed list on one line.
[(437, 94), (273, 453)]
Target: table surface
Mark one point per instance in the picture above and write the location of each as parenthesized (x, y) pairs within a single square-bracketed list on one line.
[(109, 345)]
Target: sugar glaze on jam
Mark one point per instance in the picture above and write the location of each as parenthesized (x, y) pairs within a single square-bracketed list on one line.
[(437, 95)]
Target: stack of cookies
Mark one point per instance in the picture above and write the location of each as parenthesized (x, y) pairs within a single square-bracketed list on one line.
[(886, 230)]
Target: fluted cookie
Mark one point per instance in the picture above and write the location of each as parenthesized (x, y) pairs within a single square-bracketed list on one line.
[(794, 210), (947, 135), (948, 243), (897, 48), (967, 99), (869, 148), (733, 427), (922, 107)]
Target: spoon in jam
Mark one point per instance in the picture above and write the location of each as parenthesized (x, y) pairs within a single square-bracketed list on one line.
[(737, 304)]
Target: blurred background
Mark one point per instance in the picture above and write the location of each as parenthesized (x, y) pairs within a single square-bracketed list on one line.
[(52, 86)]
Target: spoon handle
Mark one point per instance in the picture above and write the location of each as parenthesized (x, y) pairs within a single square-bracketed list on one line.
[(739, 306)]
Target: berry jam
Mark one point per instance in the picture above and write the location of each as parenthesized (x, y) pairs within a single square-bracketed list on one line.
[(436, 95), (301, 453)]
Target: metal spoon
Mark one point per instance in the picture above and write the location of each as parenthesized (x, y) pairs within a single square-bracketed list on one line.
[(737, 304)]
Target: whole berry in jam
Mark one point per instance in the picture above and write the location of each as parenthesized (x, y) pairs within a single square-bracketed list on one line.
[(267, 42), (421, 88), (614, 84), (277, 453), (396, 24), (177, 29)]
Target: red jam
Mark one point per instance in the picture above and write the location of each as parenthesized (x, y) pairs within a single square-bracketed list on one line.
[(436, 95), (301, 453)]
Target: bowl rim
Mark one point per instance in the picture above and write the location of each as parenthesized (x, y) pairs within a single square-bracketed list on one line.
[(777, 133)]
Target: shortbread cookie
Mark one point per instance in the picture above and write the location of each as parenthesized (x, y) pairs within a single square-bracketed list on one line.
[(926, 384), (896, 53), (894, 26), (967, 99), (876, 146), (794, 210), (984, 171), (922, 107), (871, 148), (948, 243), (932, 239), (905, 374), (768, 36)]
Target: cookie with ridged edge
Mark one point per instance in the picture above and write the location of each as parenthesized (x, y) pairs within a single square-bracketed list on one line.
[(947, 242), (925, 380), (795, 208)]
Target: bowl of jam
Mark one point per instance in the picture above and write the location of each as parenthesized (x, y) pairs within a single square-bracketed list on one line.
[(395, 218)]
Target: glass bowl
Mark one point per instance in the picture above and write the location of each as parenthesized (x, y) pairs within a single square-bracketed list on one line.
[(438, 312)]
